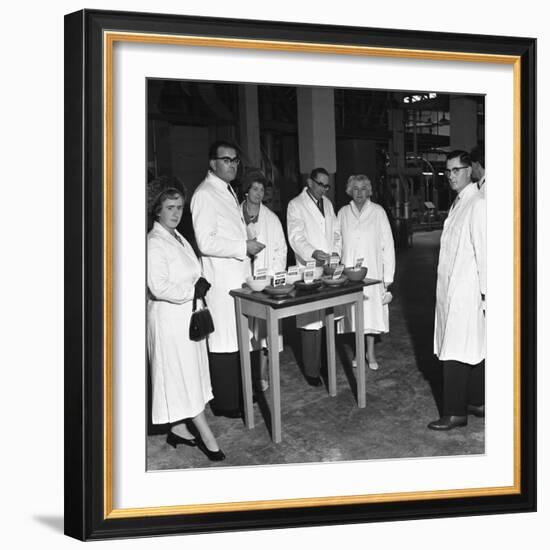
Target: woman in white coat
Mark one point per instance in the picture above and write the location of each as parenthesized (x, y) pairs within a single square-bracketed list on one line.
[(366, 233), (313, 234), (179, 366), (262, 224)]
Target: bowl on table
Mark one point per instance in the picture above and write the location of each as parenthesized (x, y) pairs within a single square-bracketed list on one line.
[(257, 285), (278, 291), (329, 281), (308, 287), (330, 269), (355, 273)]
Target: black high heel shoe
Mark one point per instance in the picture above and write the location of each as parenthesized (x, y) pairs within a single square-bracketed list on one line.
[(174, 440), (215, 456)]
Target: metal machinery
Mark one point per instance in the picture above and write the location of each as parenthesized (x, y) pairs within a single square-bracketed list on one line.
[(398, 139)]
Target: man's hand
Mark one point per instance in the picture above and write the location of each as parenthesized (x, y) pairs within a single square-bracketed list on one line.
[(254, 247), (320, 257)]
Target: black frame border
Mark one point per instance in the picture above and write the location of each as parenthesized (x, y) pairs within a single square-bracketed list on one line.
[(84, 290)]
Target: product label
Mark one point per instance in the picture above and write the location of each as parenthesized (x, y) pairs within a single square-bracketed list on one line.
[(309, 274), (293, 271), (279, 279), (338, 272), (261, 273)]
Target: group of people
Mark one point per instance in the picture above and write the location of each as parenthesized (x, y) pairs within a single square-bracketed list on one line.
[(236, 239), (361, 230)]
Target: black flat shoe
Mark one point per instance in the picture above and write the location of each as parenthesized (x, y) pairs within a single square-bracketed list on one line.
[(314, 381), (174, 440), (215, 456), (448, 423), (477, 410)]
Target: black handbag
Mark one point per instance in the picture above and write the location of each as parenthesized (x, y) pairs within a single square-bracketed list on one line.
[(201, 324)]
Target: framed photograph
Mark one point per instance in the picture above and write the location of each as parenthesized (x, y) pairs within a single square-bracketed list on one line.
[(146, 97)]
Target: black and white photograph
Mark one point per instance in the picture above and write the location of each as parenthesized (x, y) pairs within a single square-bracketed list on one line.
[(316, 274), (280, 239)]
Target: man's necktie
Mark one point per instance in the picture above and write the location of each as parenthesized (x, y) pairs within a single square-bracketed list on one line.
[(320, 206), (232, 194), (178, 238)]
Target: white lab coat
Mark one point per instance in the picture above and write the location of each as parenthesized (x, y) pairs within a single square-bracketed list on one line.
[(179, 367), (220, 233), (309, 230), (269, 231), (459, 333), (367, 234)]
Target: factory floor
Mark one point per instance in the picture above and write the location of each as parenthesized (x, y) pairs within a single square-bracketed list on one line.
[(403, 396)]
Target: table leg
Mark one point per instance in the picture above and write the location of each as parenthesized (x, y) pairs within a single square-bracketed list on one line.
[(274, 375), (331, 351), (242, 338), (360, 351)]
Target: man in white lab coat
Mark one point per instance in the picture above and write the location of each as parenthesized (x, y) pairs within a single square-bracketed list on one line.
[(313, 234), (459, 336), (220, 232)]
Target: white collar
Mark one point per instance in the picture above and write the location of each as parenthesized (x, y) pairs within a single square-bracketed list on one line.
[(467, 190), (311, 197), (356, 210), (159, 228), (217, 180)]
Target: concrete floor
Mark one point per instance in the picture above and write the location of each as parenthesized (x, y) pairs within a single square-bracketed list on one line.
[(402, 397)]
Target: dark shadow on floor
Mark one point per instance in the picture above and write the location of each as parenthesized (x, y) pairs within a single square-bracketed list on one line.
[(291, 338), (414, 291), (345, 349)]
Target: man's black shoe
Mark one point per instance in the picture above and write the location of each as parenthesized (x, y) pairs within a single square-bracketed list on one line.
[(314, 381), (448, 423), (477, 410)]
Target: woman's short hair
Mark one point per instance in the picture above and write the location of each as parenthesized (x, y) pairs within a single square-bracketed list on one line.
[(168, 193), (254, 176), (358, 178)]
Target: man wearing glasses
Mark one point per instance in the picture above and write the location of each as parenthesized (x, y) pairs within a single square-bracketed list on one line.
[(313, 234), (221, 237), (459, 336)]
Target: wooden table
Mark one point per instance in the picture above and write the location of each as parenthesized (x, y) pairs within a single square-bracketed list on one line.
[(262, 306)]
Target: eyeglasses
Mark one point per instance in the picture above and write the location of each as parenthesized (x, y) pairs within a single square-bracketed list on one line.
[(228, 160), (323, 185), (455, 171)]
